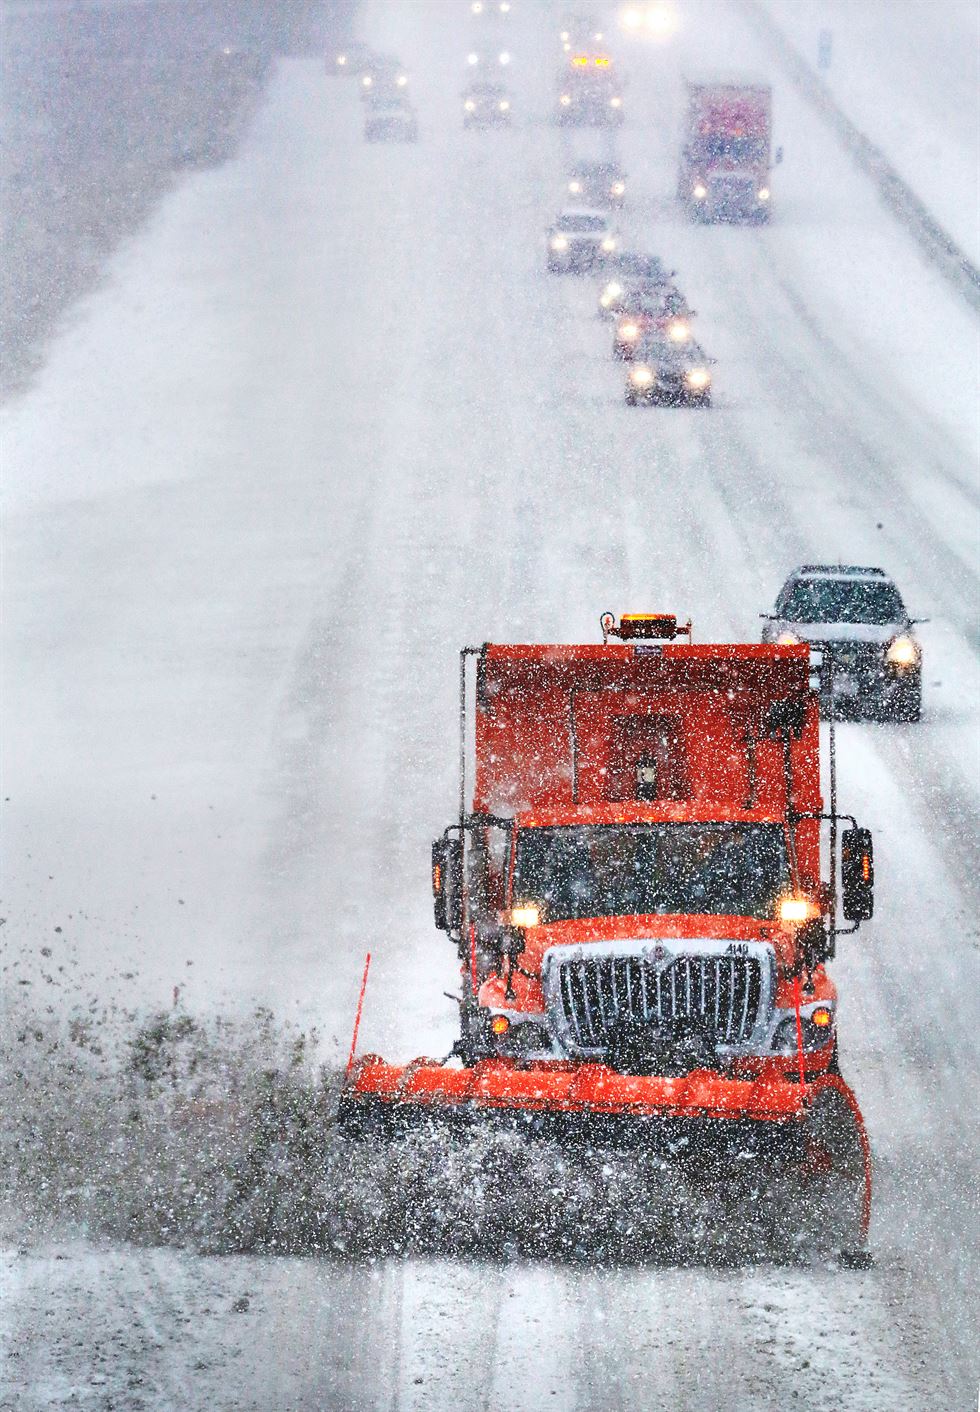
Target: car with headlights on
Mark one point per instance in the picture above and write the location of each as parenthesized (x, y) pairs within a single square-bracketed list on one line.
[(597, 184), (870, 656), (629, 274), (580, 239), (663, 373), (661, 310), (486, 105), (385, 77), (390, 120)]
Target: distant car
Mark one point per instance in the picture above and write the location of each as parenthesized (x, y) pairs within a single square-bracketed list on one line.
[(385, 77), (486, 105), (872, 660), (484, 61), (675, 374), (597, 183), (580, 239), (491, 7), (620, 289), (390, 120), (352, 60), (647, 310), (593, 102)]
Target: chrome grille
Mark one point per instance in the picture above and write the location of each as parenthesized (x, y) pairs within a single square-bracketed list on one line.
[(721, 994)]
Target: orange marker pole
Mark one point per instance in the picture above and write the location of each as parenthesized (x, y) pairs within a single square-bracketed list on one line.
[(357, 1017)]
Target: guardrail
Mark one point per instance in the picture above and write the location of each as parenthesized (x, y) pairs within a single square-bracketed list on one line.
[(937, 244)]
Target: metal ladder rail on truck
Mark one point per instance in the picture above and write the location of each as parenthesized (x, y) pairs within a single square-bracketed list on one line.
[(634, 888)]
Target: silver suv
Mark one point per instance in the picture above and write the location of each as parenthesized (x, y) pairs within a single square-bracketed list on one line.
[(872, 660)]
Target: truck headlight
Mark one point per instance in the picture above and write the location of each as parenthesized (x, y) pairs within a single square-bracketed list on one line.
[(470, 106), (763, 193), (902, 652), (641, 377), (629, 332), (609, 245), (617, 188), (472, 59), (558, 242), (787, 638), (678, 330), (367, 80), (700, 191), (504, 58), (565, 99), (575, 187), (401, 80), (615, 102), (505, 106), (697, 377)]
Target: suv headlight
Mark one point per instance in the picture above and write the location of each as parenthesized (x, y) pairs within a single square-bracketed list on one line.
[(902, 651), (697, 377), (700, 191), (558, 242), (641, 377), (609, 245)]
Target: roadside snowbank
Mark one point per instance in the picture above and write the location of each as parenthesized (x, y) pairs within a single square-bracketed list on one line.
[(909, 76)]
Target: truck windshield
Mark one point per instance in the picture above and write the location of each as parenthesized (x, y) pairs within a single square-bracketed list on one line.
[(743, 151), (612, 870), (588, 224)]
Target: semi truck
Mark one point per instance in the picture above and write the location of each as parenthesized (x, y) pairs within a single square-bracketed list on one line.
[(725, 160), (633, 884)]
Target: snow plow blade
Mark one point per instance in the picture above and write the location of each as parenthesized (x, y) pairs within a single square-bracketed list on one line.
[(805, 1144), (582, 1089)]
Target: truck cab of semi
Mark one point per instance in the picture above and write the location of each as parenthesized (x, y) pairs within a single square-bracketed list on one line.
[(726, 156)]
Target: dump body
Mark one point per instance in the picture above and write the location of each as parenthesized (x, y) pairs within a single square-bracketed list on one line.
[(726, 150)]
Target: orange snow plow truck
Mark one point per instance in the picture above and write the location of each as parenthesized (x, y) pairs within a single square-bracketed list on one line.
[(644, 890)]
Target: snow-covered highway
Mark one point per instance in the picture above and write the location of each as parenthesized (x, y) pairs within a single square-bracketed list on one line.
[(327, 421)]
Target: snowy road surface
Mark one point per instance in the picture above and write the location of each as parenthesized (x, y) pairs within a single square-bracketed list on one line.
[(329, 420)]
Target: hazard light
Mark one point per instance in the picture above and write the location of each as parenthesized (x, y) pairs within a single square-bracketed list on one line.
[(662, 626)]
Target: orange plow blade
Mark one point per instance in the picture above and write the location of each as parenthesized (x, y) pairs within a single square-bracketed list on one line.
[(583, 1089)]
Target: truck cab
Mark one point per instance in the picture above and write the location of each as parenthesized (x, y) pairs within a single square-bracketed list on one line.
[(635, 879)]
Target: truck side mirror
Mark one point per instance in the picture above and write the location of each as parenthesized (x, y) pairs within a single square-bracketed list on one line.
[(857, 873), (778, 157), (447, 883)]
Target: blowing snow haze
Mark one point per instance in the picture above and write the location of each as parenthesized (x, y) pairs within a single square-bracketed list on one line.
[(337, 338)]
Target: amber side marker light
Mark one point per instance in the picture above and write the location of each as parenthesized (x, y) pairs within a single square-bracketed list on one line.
[(500, 1024), (822, 1017)]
